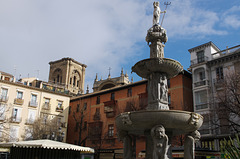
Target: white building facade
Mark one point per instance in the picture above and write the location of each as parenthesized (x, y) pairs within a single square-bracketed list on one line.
[(21, 103), (209, 67)]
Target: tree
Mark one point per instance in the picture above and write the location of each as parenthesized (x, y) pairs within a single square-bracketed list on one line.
[(4, 124), (44, 129), (226, 110)]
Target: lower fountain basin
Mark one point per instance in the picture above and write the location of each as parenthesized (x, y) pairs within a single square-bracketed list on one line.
[(165, 65), (175, 122)]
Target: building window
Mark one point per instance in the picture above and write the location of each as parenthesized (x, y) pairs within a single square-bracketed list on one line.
[(110, 130), (14, 133), (219, 73), (44, 118), (76, 127), (69, 110), (112, 96), (98, 100), (169, 99), (60, 105), (31, 116), (19, 95), (47, 103), (168, 83), (85, 106), (85, 125), (78, 107), (205, 128), (201, 75), (4, 94), (33, 101), (200, 56), (16, 115), (201, 100), (70, 81), (129, 94), (2, 112), (74, 80)]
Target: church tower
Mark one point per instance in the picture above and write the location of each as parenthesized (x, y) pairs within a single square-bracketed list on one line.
[(68, 73)]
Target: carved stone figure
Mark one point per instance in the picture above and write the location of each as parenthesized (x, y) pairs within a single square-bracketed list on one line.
[(189, 145), (156, 13), (194, 119), (163, 89), (126, 118), (160, 142)]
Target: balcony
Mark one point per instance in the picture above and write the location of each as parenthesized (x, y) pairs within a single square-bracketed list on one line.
[(199, 60), (33, 104), (29, 121), (109, 108), (201, 106), (18, 101), (201, 83), (46, 106), (3, 98), (218, 82), (59, 109), (16, 119)]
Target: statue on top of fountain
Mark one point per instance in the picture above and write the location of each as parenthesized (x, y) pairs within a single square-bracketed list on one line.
[(156, 35), (156, 13)]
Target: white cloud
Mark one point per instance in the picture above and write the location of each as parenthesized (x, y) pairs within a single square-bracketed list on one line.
[(231, 17), (100, 34), (186, 20)]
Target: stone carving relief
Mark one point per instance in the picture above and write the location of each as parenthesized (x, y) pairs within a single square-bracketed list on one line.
[(126, 118), (160, 142), (158, 88), (189, 144), (194, 119), (163, 89)]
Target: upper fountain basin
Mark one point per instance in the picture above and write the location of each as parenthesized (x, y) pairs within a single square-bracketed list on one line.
[(168, 66)]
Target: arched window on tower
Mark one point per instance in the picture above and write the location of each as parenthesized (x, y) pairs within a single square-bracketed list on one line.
[(74, 80), (58, 78)]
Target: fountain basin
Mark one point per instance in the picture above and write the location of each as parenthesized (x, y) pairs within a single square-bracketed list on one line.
[(175, 122), (145, 67)]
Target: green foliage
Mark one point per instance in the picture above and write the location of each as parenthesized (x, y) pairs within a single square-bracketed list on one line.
[(231, 148)]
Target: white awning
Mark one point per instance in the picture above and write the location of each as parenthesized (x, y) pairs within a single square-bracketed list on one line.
[(47, 144)]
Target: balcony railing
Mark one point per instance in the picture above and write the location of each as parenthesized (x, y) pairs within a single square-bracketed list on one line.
[(226, 51), (18, 101), (33, 104), (3, 98), (199, 60), (201, 83), (201, 106), (16, 119), (29, 121), (59, 109), (46, 106)]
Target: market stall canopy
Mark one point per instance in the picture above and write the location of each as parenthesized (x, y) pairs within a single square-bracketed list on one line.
[(47, 144)]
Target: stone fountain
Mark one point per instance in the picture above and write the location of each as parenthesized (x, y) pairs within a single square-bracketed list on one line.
[(157, 123)]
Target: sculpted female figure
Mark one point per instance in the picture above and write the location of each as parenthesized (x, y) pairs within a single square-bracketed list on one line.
[(156, 13)]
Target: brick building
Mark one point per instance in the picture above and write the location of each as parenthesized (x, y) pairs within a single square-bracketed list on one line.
[(91, 119)]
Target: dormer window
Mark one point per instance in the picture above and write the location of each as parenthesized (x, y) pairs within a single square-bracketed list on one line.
[(200, 56)]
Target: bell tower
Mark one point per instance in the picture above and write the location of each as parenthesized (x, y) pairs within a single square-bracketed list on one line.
[(68, 73)]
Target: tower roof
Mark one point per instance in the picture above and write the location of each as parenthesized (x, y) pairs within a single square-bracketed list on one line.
[(67, 59)]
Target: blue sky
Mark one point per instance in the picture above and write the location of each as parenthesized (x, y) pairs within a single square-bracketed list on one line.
[(107, 33)]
